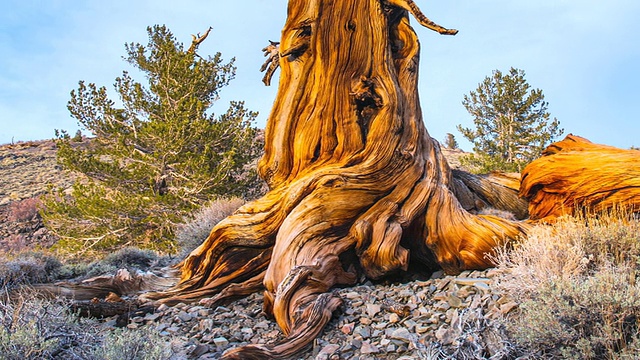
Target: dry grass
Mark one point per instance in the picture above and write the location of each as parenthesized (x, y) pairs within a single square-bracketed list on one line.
[(27, 268), (196, 228), (33, 327), (576, 285)]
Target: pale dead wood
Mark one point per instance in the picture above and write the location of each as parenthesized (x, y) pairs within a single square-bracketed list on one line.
[(197, 40)]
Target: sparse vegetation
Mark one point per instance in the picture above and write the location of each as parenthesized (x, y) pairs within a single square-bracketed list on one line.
[(131, 257), (31, 267), (28, 268), (36, 328), (576, 285), (140, 344)]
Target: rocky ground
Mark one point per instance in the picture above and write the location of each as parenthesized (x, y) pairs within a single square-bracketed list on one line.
[(26, 171), (441, 317)]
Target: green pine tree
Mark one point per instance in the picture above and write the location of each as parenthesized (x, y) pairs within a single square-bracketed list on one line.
[(450, 142), (512, 124), (155, 158)]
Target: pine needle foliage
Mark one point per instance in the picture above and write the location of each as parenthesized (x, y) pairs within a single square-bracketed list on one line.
[(156, 157), (450, 142), (512, 124)]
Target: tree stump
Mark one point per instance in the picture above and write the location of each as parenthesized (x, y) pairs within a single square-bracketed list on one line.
[(357, 185)]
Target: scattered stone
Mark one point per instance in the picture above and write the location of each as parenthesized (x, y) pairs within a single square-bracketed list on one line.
[(368, 348), (483, 287), (221, 341), (364, 332), (373, 309), (184, 316), (454, 301), (401, 334), (205, 325), (152, 316), (347, 328), (173, 329), (199, 350), (394, 318), (248, 331), (327, 351)]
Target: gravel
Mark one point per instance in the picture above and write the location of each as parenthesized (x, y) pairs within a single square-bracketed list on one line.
[(441, 317)]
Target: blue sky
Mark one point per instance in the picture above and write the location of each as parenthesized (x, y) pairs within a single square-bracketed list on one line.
[(584, 55)]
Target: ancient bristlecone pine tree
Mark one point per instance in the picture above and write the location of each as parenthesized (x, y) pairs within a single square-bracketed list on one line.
[(357, 185)]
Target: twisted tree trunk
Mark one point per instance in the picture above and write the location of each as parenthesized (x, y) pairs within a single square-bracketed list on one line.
[(357, 184)]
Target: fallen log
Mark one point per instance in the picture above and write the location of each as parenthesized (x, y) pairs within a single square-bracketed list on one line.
[(123, 282), (575, 176)]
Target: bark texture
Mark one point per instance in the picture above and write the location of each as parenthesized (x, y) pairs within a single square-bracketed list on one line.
[(577, 176), (357, 185)]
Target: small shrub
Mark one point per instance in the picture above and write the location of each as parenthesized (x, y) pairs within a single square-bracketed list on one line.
[(24, 210), (43, 329), (124, 344), (28, 268), (197, 227), (577, 289), (33, 328), (131, 257), (82, 269)]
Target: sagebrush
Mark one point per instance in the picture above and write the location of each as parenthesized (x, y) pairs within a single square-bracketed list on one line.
[(576, 285), (32, 327)]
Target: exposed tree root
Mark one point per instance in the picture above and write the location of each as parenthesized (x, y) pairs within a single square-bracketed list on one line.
[(358, 185)]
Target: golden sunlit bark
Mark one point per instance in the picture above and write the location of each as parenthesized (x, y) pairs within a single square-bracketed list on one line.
[(575, 175), (357, 185)]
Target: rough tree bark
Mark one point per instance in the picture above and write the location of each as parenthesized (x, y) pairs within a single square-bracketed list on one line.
[(577, 176), (357, 185)]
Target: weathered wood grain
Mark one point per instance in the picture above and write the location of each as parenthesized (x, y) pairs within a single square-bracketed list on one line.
[(575, 175), (357, 185)]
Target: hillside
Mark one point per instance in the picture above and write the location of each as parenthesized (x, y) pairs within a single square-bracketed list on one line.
[(27, 169)]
